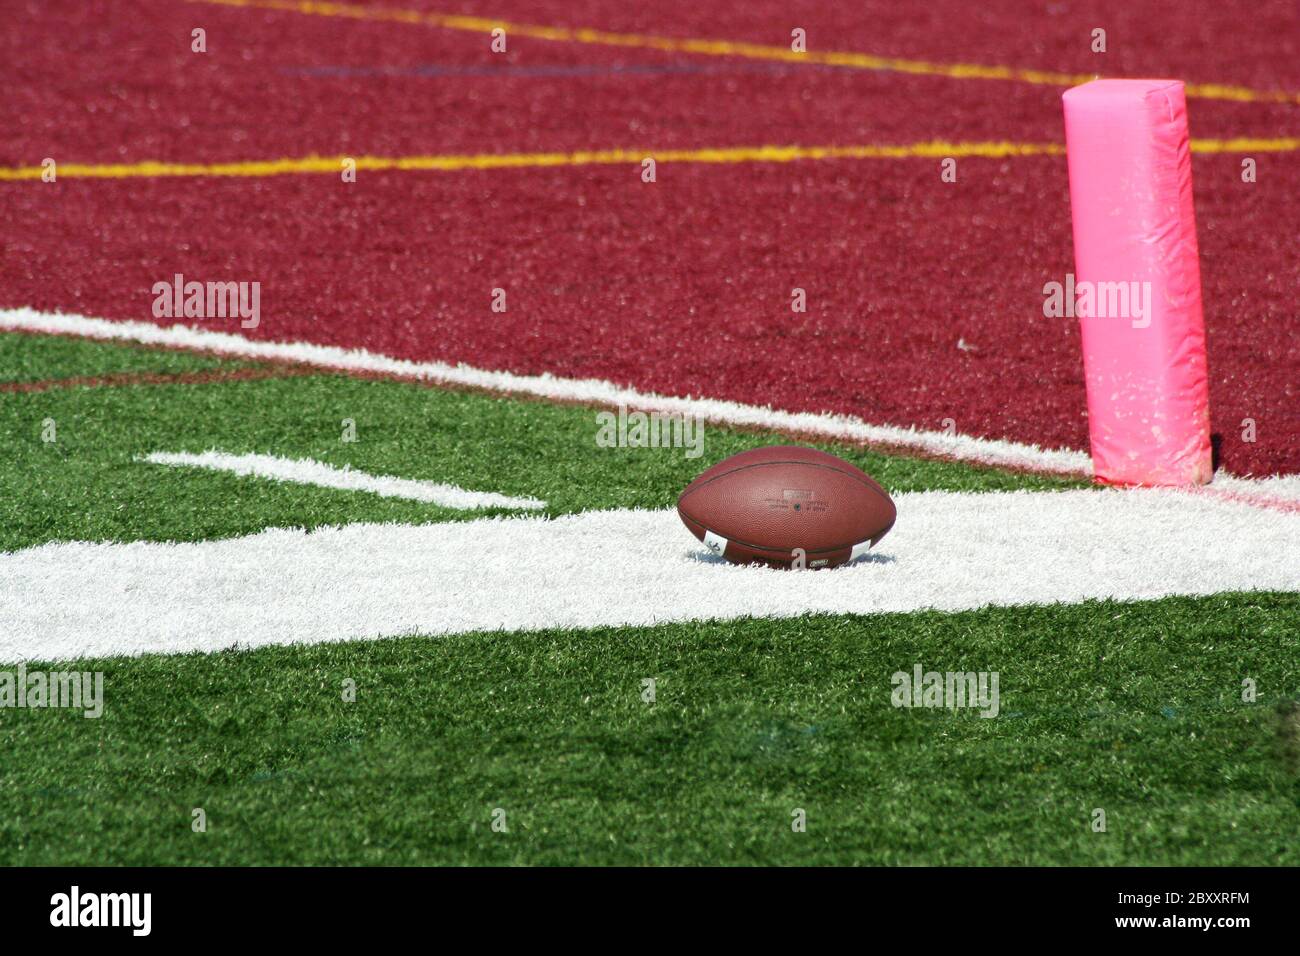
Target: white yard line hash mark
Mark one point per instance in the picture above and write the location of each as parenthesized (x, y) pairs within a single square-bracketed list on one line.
[(949, 552), (306, 471)]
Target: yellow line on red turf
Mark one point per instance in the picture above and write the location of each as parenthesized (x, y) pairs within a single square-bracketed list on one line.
[(1245, 144), (334, 164), (936, 149), (753, 51)]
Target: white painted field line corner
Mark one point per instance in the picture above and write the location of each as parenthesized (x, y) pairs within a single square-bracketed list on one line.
[(985, 451), (306, 471)]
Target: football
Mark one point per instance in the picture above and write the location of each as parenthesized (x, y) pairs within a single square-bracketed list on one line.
[(786, 506)]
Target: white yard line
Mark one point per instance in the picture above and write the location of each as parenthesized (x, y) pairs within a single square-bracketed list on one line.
[(1007, 454), (1276, 493), (305, 471), (1279, 488), (949, 551)]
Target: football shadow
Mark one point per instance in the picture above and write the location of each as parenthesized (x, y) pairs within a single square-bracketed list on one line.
[(708, 557)]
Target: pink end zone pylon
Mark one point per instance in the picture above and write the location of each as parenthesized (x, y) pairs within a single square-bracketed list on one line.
[(1135, 253)]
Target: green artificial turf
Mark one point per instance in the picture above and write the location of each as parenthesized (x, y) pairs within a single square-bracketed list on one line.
[(1132, 708), (33, 358), (89, 485)]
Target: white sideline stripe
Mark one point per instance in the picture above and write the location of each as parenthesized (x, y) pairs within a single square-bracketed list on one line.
[(985, 451), (948, 551), (306, 471), (1278, 487)]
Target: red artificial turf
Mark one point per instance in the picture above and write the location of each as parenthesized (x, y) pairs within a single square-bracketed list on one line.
[(681, 286)]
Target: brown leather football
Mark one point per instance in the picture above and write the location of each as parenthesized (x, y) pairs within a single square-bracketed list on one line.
[(768, 505)]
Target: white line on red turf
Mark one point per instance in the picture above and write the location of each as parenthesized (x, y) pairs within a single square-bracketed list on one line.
[(1273, 493), (984, 451)]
